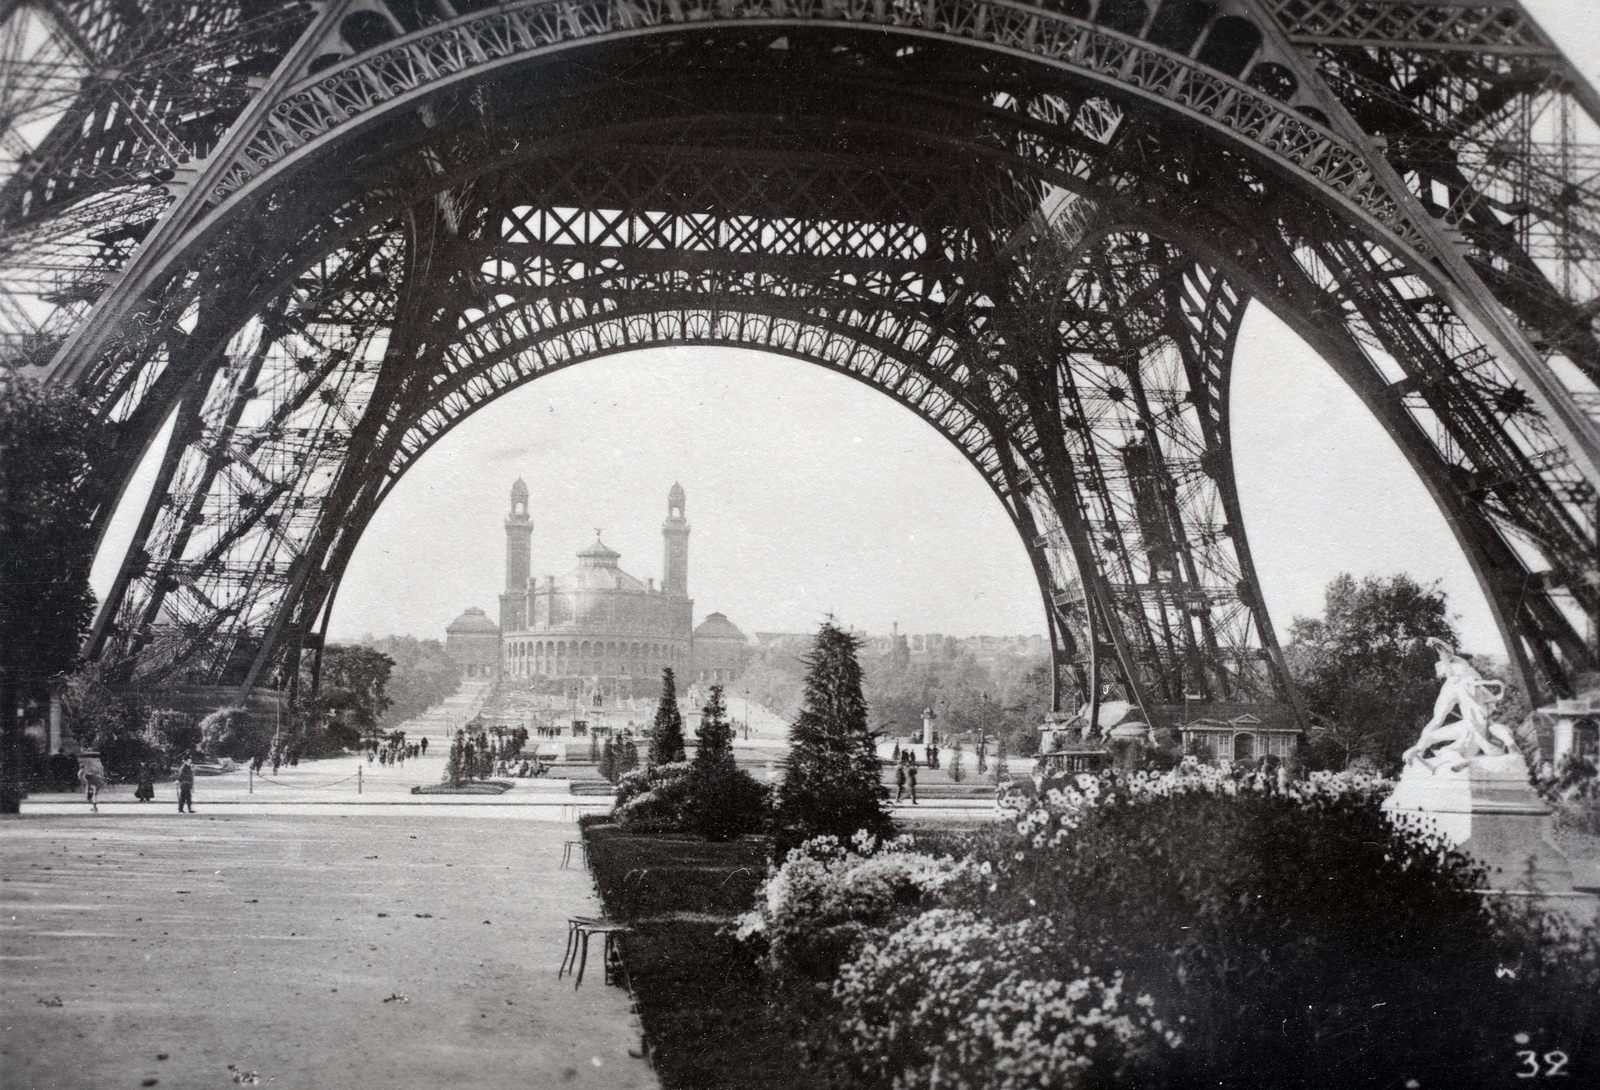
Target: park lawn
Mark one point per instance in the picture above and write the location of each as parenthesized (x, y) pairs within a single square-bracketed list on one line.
[(711, 1021)]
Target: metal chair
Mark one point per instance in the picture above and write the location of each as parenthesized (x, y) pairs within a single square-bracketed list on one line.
[(579, 929)]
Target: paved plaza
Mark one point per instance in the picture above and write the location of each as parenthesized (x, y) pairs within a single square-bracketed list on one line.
[(313, 945)]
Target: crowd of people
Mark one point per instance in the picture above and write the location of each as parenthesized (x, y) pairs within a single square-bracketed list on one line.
[(394, 750), (931, 756)]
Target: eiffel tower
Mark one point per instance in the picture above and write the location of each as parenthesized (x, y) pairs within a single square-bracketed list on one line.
[(284, 247)]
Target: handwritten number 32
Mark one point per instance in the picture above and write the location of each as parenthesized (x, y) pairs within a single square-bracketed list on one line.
[(1555, 1063)]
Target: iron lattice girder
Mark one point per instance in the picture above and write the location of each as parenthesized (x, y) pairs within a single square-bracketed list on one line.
[(1146, 87), (908, 379), (1136, 290), (440, 55)]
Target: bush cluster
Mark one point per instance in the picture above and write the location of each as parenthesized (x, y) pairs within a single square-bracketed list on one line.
[(1269, 936), (954, 1000), (653, 799), (710, 795), (827, 901)]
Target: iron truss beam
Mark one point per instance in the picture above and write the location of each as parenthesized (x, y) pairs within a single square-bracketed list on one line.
[(898, 192)]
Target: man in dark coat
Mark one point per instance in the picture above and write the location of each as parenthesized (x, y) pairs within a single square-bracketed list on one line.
[(186, 786)]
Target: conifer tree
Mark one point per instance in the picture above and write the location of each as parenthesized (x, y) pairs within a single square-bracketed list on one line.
[(666, 735), (714, 735), (833, 783), (724, 800)]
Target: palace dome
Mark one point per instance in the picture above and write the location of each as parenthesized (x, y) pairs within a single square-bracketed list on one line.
[(597, 570), (473, 620), (716, 626)]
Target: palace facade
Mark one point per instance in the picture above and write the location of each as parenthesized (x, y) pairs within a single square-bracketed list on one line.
[(597, 631)]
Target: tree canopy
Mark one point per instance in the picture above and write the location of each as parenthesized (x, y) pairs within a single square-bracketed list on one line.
[(1365, 668), (46, 544), (352, 695), (422, 677), (47, 445)]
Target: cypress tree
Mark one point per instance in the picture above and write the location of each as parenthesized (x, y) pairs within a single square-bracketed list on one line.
[(714, 735), (724, 800), (833, 783), (666, 735)]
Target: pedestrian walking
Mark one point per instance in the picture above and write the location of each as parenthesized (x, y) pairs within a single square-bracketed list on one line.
[(92, 774), (186, 786), (911, 780), (899, 781)]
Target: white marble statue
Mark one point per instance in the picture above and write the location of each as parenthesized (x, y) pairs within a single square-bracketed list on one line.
[(1474, 734)]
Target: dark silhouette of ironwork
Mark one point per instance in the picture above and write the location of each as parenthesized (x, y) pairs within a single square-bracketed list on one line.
[(311, 241)]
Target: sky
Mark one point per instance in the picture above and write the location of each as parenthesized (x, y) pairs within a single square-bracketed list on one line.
[(811, 495)]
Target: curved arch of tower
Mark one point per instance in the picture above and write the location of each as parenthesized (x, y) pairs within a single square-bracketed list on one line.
[(1038, 226)]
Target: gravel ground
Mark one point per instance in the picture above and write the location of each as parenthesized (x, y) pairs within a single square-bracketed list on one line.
[(361, 949)]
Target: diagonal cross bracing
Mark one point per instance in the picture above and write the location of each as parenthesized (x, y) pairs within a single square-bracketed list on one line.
[(869, 185)]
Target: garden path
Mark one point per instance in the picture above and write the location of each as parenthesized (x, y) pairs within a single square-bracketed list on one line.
[(411, 950)]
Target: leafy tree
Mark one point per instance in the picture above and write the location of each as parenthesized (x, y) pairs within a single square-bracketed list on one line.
[(834, 783), (351, 697), (1004, 694), (235, 733), (1365, 668), (724, 800), (666, 734), (113, 722), (177, 733), (47, 445), (422, 677)]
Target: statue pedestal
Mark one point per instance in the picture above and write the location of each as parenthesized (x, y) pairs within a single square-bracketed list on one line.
[(1489, 811)]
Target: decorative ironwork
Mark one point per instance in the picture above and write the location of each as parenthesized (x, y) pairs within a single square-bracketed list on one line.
[(313, 245)]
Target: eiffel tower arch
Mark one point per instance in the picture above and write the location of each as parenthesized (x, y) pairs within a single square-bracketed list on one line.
[(306, 241)]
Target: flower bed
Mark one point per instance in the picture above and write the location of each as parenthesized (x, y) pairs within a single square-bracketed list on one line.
[(711, 1019), (1268, 936)]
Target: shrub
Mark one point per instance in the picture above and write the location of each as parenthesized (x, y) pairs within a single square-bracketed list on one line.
[(953, 1000), (1304, 937), (1581, 815), (653, 799), (175, 732), (234, 733), (724, 800), (826, 901)]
